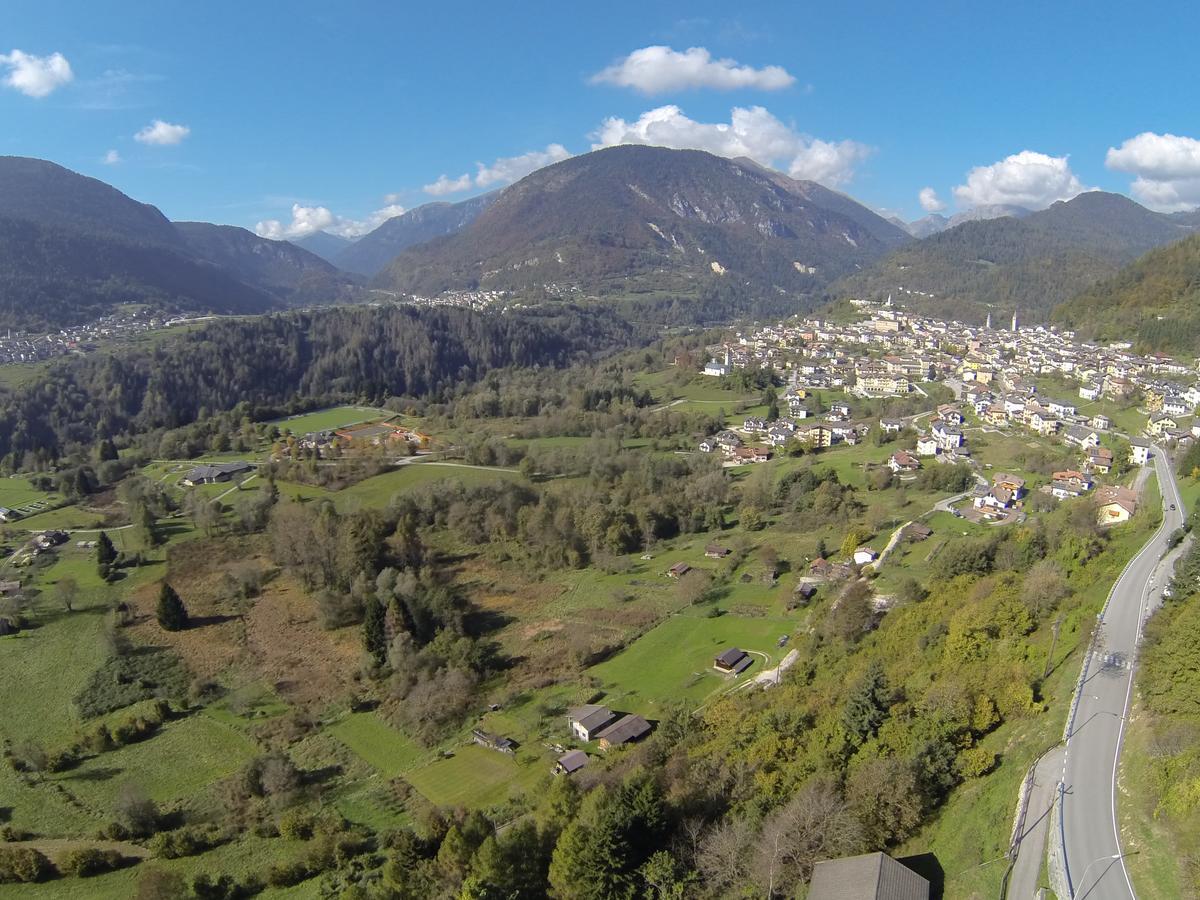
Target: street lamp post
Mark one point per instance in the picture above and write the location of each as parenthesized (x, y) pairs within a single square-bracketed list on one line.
[(1083, 877)]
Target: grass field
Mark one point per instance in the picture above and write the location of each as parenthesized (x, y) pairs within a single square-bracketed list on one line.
[(476, 777), (378, 491), (673, 661), (178, 762), (377, 743), (16, 492), (250, 855), (34, 667), (331, 418), (1153, 861)]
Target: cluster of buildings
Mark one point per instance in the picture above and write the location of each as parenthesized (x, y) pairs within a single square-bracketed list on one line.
[(19, 347), (330, 442), (801, 425), (891, 352)]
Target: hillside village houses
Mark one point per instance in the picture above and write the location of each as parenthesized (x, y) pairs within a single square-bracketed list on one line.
[(993, 371)]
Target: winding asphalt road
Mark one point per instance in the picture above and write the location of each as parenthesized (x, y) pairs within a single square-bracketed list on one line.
[(1086, 825)]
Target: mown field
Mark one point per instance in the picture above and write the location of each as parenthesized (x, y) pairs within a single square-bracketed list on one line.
[(329, 419)]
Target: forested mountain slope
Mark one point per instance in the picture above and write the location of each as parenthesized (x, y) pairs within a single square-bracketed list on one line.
[(293, 274), (1154, 300), (1029, 264), (630, 220), (72, 248), (348, 353)]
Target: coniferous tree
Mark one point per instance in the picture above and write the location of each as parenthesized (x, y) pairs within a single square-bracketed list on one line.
[(172, 615), (866, 707), (374, 630), (106, 554)]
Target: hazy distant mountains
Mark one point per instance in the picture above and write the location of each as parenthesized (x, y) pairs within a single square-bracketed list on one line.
[(645, 220), (1030, 262), (934, 223), (371, 253), (72, 248)]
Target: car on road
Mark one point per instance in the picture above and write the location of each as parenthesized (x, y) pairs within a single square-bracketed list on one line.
[(1172, 506)]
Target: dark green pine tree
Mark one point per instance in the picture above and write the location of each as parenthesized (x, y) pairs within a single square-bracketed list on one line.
[(172, 615), (106, 554), (822, 550), (105, 451), (867, 706), (375, 631)]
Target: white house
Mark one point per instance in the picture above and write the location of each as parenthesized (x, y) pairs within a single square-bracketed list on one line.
[(1061, 407), (1139, 451), (1176, 406), (1089, 391), (864, 555), (927, 446), (716, 368)]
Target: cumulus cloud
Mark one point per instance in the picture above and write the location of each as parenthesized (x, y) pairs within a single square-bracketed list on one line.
[(1029, 179), (504, 170), (930, 201), (162, 133), (1167, 167), (35, 76), (753, 132), (447, 185), (308, 220), (658, 69), (111, 158)]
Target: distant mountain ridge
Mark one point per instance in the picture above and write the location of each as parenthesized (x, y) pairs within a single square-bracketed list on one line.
[(635, 220), (72, 248), (371, 253), (1030, 263), (1155, 300), (289, 272), (323, 244)]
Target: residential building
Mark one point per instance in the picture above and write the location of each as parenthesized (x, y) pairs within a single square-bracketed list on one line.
[(1139, 451), (1115, 504), (872, 876), (588, 721)]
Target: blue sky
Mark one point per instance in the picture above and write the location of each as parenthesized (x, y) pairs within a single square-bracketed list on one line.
[(333, 115)]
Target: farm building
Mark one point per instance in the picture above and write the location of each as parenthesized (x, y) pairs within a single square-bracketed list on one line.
[(732, 661), (493, 741), (624, 731), (211, 474), (716, 551), (679, 570), (570, 762), (588, 721)]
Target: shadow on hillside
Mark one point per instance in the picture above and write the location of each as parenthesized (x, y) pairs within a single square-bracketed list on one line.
[(927, 866)]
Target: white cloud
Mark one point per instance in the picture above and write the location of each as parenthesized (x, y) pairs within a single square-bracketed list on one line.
[(111, 158), (504, 170), (447, 185), (162, 133), (1029, 179), (752, 132), (36, 76), (658, 69), (308, 220), (508, 169), (930, 201), (1167, 167)]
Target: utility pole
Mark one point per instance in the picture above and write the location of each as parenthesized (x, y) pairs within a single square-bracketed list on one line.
[(1054, 641)]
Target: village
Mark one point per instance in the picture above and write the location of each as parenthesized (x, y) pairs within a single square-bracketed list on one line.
[(20, 347)]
